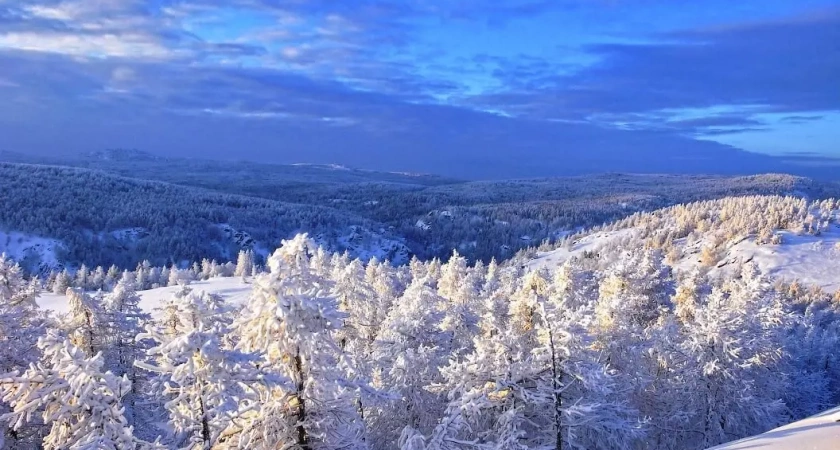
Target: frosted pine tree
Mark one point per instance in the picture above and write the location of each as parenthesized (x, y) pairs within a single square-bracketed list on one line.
[(207, 269), (86, 324), (111, 277), (383, 278), (97, 279), (20, 318), (291, 320), (62, 282), (459, 286), (81, 279), (321, 262), (810, 362), (633, 303), (408, 354), (124, 321), (244, 264), (731, 363), (533, 384), (180, 276), (77, 399), (357, 299), (21, 323), (200, 380)]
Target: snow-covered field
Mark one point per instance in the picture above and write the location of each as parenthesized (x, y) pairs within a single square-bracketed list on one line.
[(232, 289), (812, 260), (590, 243), (820, 432), (35, 253)]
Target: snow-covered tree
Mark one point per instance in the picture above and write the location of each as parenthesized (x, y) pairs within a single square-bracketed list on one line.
[(79, 401), (21, 323), (731, 363), (244, 264), (20, 318), (62, 282), (81, 279), (534, 384), (291, 320), (200, 380), (459, 286), (97, 279), (85, 323), (124, 321), (357, 299), (180, 276), (111, 277), (408, 354)]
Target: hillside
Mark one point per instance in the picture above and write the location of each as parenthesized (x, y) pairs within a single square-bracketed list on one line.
[(239, 177), (430, 215), (787, 238), (821, 431), (54, 216), (680, 328)]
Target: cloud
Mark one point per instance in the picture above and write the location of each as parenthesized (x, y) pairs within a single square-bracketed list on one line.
[(801, 119), (782, 66), (255, 113), (107, 45), (345, 82)]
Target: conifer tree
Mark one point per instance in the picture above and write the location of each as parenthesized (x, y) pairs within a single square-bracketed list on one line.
[(78, 400), (291, 319)]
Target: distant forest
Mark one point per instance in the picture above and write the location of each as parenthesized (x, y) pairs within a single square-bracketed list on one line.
[(186, 210)]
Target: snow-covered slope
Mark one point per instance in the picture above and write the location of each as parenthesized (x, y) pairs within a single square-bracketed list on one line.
[(820, 432), (232, 289), (808, 254), (811, 260), (590, 243), (35, 254)]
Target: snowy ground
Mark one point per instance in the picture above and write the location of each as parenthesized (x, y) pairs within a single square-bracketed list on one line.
[(34, 253), (813, 260), (592, 243), (820, 432), (233, 289)]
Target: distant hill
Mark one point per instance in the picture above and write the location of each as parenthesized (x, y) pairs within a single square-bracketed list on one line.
[(239, 175), (81, 215), (427, 214)]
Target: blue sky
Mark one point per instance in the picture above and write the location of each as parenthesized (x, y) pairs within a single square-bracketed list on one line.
[(424, 84)]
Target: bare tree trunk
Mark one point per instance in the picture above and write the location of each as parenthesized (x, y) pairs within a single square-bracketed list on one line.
[(205, 426), (303, 436), (558, 399)]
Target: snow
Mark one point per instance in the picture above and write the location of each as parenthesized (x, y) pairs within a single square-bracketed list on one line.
[(812, 260), (555, 258), (232, 289), (366, 244), (34, 253), (814, 433), (129, 234)]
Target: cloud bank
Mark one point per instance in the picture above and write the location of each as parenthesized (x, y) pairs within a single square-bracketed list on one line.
[(381, 85)]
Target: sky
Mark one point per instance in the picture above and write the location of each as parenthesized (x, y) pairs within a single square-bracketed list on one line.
[(474, 88)]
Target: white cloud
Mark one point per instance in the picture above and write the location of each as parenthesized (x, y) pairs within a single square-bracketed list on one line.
[(105, 45), (82, 10), (63, 12), (291, 52), (123, 74)]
